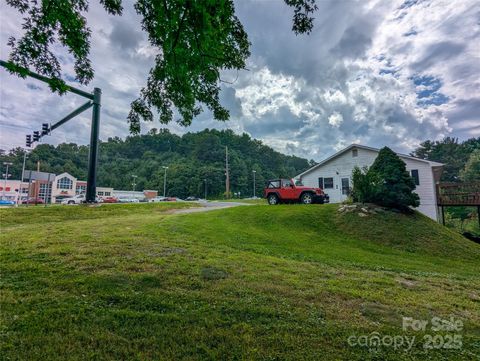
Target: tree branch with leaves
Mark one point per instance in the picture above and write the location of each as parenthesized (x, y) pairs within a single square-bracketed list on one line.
[(196, 40)]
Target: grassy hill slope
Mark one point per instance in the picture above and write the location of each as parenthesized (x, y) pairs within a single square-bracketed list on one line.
[(255, 282)]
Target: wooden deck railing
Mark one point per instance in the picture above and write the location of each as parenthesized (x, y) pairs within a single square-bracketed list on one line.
[(458, 194)]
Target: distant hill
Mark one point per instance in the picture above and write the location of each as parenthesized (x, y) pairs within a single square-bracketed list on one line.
[(191, 158)]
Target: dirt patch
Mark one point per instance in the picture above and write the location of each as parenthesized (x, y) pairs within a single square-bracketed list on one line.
[(378, 312), (172, 250), (407, 283), (213, 274)]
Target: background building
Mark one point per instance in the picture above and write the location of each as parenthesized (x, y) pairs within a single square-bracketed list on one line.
[(140, 195), (13, 190), (53, 188)]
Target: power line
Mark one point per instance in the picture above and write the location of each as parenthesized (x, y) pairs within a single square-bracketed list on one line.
[(15, 126)]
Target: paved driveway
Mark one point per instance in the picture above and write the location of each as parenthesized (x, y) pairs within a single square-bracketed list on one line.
[(210, 206)]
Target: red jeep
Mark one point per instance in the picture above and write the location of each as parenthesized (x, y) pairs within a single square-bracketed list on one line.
[(286, 190)]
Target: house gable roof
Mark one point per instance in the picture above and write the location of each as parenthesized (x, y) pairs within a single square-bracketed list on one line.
[(359, 146)]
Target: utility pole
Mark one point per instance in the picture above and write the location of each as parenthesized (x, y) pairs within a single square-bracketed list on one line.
[(164, 180), (227, 175), (7, 164), (254, 183)]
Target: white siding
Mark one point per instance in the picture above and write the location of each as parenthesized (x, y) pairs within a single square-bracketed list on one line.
[(426, 188), (342, 165)]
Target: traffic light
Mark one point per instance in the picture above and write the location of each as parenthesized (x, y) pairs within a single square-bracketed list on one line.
[(28, 141), (45, 128), (36, 136)]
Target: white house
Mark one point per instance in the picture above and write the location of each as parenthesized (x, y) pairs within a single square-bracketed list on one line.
[(334, 175)]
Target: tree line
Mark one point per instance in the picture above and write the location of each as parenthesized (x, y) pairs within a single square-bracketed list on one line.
[(196, 157), (192, 160), (462, 164), (461, 159)]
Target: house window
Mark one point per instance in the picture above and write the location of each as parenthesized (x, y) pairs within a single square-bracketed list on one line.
[(345, 186), (415, 176), (65, 183), (354, 153), (320, 182), (100, 193), (328, 183), (107, 194)]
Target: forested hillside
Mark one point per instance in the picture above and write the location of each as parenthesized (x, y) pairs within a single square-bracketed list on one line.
[(462, 164), (191, 158), (451, 152)]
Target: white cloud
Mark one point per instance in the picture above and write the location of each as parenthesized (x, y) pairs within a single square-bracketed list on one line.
[(351, 80), (335, 119)]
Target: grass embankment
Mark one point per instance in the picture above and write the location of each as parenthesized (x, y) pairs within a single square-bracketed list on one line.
[(253, 282)]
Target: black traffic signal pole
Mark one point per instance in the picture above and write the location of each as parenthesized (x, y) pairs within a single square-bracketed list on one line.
[(73, 114), (93, 154), (95, 101)]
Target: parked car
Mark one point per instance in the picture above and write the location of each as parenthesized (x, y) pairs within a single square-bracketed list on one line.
[(110, 200), (59, 199), (78, 199), (33, 200), (128, 200), (157, 199), (171, 199), (287, 191), (191, 198), (6, 202)]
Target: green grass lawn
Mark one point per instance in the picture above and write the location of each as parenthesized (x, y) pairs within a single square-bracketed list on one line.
[(289, 282)]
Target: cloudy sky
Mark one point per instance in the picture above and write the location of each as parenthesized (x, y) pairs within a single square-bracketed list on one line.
[(372, 72)]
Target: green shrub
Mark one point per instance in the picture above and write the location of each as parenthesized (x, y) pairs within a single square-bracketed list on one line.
[(364, 184), (386, 183)]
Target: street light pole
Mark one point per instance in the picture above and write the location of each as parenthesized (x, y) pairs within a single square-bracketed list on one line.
[(23, 166), (205, 180), (254, 183), (164, 181), (133, 185), (19, 198), (6, 176)]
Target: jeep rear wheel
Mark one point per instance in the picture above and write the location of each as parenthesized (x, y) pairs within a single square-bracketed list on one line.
[(306, 198), (71, 202), (272, 199)]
